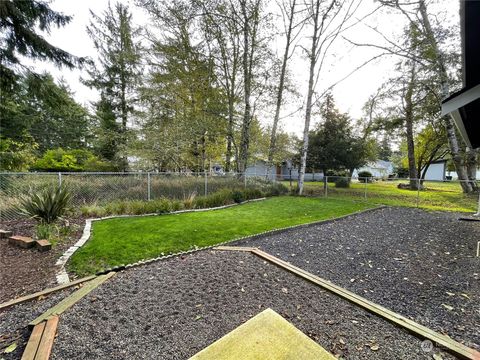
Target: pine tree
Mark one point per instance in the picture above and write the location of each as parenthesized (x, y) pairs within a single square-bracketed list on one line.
[(19, 21), (115, 75)]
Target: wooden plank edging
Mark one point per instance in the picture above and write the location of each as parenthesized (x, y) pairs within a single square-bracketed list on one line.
[(33, 342), (44, 292), (72, 299), (423, 331)]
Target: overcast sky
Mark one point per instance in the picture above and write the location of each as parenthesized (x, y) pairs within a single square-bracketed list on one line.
[(350, 94)]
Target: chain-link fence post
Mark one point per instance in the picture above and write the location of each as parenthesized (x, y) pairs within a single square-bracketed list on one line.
[(59, 179), (149, 187), (326, 186), (418, 193), (245, 179), (365, 191), (206, 183), (478, 209)]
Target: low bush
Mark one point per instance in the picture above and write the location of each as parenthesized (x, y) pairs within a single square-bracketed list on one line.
[(365, 176), (342, 182), (46, 205), (164, 205)]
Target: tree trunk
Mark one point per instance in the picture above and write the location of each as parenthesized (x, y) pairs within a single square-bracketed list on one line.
[(472, 164), (444, 83), (273, 135), (412, 169), (247, 80), (308, 111), (228, 157)]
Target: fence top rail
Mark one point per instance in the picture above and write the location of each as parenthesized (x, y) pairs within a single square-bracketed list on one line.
[(230, 174)]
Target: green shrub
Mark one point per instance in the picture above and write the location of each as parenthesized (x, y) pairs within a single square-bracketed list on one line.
[(70, 160), (342, 182), (45, 206), (238, 197), (276, 189), (250, 194), (365, 176), (220, 198), (45, 231)]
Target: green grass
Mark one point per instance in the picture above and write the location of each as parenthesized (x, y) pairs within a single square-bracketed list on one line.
[(127, 240), (436, 196)]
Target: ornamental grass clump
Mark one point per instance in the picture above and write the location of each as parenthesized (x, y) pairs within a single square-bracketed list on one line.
[(45, 206)]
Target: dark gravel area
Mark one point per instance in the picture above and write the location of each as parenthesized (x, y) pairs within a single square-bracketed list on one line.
[(24, 271), (172, 309), (417, 263), (14, 322)]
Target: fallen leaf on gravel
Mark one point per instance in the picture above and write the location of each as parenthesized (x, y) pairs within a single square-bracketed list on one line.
[(450, 294), (398, 259), (41, 297), (437, 357), (242, 290), (373, 346), (448, 307), (198, 317), (352, 280), (10, 348), (465, 296), (285, 290)]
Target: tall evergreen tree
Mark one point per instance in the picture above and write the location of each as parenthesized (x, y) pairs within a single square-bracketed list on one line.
[(19, 25), (115, 76)]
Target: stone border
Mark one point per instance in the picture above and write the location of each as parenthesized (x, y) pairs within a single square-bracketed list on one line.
[(62, 275), (248, 237)]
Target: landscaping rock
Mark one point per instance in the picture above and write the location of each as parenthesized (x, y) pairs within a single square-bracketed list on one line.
[(21, 241), (43, 245)]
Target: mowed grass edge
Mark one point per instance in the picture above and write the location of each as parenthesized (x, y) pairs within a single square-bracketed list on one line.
[(120, 241)]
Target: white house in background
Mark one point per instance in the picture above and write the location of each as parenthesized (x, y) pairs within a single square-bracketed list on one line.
[(284, 172), (379, 168), (436, 170)]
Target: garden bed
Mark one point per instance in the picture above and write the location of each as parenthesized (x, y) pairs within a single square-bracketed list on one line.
[(174, 308), (417, 263), (24, 271)]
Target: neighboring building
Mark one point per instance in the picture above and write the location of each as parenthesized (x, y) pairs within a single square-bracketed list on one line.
[(378, 169), (284, 172), (437, 170)]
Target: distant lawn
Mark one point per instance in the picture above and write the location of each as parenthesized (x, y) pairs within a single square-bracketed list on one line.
[(127, 240), (436, 196)]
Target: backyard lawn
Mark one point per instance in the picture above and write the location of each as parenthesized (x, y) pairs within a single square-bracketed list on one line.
[(126, 240), (435, 196)]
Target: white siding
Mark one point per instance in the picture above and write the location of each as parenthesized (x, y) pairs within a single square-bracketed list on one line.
[(436, 171)]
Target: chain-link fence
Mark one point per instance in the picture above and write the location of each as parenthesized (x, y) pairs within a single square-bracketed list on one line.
[(427, 194), (101, 188)]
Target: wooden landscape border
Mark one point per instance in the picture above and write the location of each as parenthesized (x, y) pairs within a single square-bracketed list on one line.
[(44, 292), (69, 301), (454, 346)]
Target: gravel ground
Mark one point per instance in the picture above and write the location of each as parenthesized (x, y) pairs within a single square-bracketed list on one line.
[(417, 263), (24, 271), (14, 321), (172, 309)]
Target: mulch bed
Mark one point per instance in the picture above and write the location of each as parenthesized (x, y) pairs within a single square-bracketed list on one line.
[(174, 308), (24, 271), (417, 263)]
